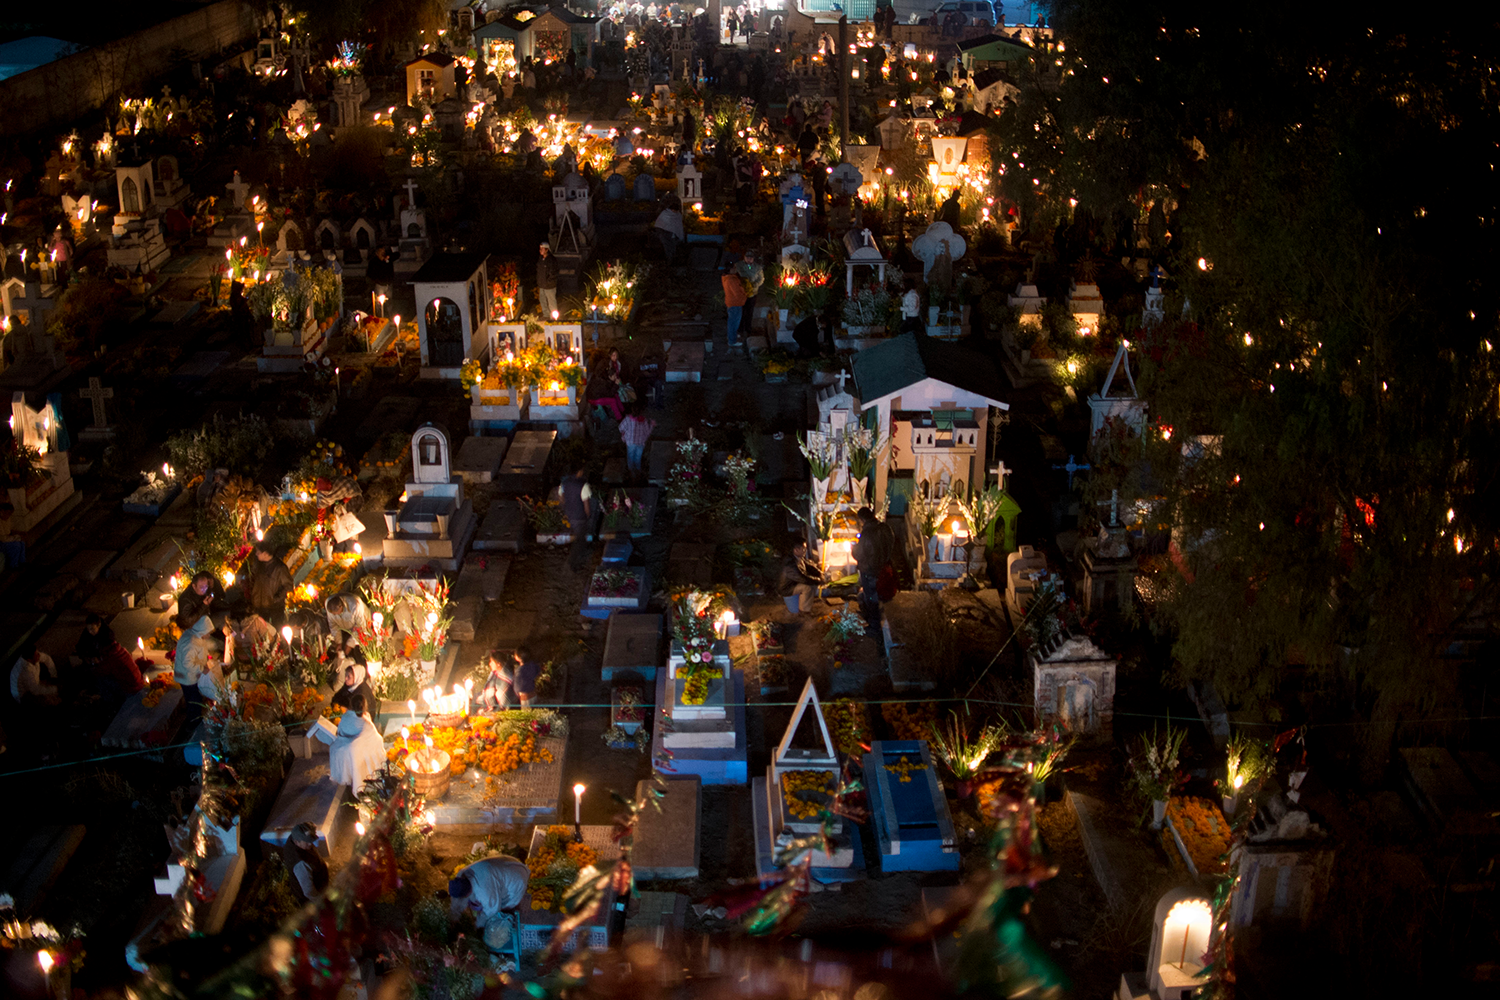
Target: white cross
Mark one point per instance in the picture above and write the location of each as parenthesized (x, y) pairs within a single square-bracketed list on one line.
[(841, 376), (97, 394), (1113, 503), (1000, 471), (411, 192)]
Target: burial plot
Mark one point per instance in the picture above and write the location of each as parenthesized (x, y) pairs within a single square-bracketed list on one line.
[(632, 646), (524, 470), (913, 827), (667, 841)]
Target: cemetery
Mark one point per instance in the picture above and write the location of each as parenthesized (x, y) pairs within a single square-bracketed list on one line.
[(550, 500)]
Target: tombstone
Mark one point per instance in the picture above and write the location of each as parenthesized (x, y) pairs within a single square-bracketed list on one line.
[(135, 187), (1155, 311), (1181, 932), (572, 196), (290, 239), (1028, 303), (350, 92), (40, 429), (452, 294), (645, 188), (845, 180), (1117, 400), (326, 237), (780, 815), (615, 188), (237, 221), (707, 739), (435, 523), (415, 244), (860, 250), (96, 394), (690, 185), (1073, 684), (170, 189), (362, 238), (912, 824), (939, 239), (237, 190), (1086, 305), (1025, 569), (632, 647), (524, 470), (948, 153), (893, 130)]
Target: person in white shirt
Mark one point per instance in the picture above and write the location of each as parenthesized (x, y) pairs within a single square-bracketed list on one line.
[(27, 685), (357, 750)]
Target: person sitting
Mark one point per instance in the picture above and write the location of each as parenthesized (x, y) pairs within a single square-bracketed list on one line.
[(27, 685), (604, 388), (501, 682), (355, 684), (488, 887), (357, 751), (308, 870), (800, 576), (115, 670)]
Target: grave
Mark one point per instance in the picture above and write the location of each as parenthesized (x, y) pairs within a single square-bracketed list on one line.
[(708, 739), (308, 796), (1028, 304), (137, 727), (1286, 865), (503, 528), (101, 429), (632, 646), (1086, 305), (526, 795), (137, 242), (496, 408), (479, 458), (633, 521), (434, 525), (452, 294), (667, 840), (912, 825), (524, 470), (631, 593), (1073, 684), (685, 361), (1180, 933), (779, 816), (691, 564), (1025, 569), (34, 504), (36, 867), (537, 925), (897, 622), (658, 920), (659, 458)]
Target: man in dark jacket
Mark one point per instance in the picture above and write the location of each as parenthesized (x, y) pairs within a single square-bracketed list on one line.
[(872, 553), (202, 597), (268, 584), (546, 281)]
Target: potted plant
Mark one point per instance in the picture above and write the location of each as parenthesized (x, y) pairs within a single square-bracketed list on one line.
[(1153, 768), (1246, 762), (547, 519)]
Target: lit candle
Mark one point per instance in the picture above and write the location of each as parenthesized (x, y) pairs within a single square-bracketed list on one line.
[(406, 734), (578, 804), (468, 694), (411, 708)]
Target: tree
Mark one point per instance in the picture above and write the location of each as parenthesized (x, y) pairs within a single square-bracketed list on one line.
[(1324, 425)]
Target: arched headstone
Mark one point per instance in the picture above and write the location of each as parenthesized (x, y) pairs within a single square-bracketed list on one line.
[(430, 461)]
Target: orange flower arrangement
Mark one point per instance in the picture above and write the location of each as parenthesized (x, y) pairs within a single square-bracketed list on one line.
[(156, 690), (476, 745), (795, 789), (557, 845), (847, 725), (910, 722), (1203, 829)]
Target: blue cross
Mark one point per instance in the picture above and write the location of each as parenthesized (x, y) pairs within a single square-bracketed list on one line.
[(1071, 468), (794, 194)]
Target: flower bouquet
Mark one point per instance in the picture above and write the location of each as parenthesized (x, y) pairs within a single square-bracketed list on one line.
[(156, 690), (846, 626), (847, 725), (620, 511), (614, 583), (685, 479), (546, 517)]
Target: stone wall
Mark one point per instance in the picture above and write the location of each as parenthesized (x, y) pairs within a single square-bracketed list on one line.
[(71, 87)]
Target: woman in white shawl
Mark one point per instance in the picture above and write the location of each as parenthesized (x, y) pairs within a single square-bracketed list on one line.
[(191, 661), (357, 751)]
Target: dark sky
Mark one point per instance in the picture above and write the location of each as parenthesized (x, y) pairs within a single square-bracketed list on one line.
[(88, 22)]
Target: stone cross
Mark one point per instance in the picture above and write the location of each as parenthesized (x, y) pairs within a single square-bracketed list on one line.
[(1071, 468), (840, 377), (1001, 471), (1113, 503), (411, 192), (237, 190), (97, 394)]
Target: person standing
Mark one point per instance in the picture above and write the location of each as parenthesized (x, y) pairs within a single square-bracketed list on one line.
[(911, 310), (755, 276), (578, 508), (268, 585), (546, 281), (198, 600), (734, 25), (872, 553), (734, 303), (635, 431)]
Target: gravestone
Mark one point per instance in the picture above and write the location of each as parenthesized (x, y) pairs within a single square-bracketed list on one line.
[(524, 470), (436, 522), (632, 646), (308, 796), (101, 429), (913, 827), (667, 841), (1073, 684), (479, 458), (503, 529), (615, 188), (645, 188)]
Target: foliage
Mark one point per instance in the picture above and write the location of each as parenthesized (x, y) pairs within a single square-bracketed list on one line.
[(611, 291), (398, 682), (802, 287), (84, 311), (285, 299), (1154, 761), (963, 749), (981, 510), (546, 517), (685, 479), (1246, 761), (21, 465), (821, 453), (240, 443), (870, 307), (846, 626)]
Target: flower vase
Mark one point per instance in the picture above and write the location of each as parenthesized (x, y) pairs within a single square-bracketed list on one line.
[(325, 549), (1230, 804), (373, 668), (429, 669), (1158, 813), (820, 489)]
